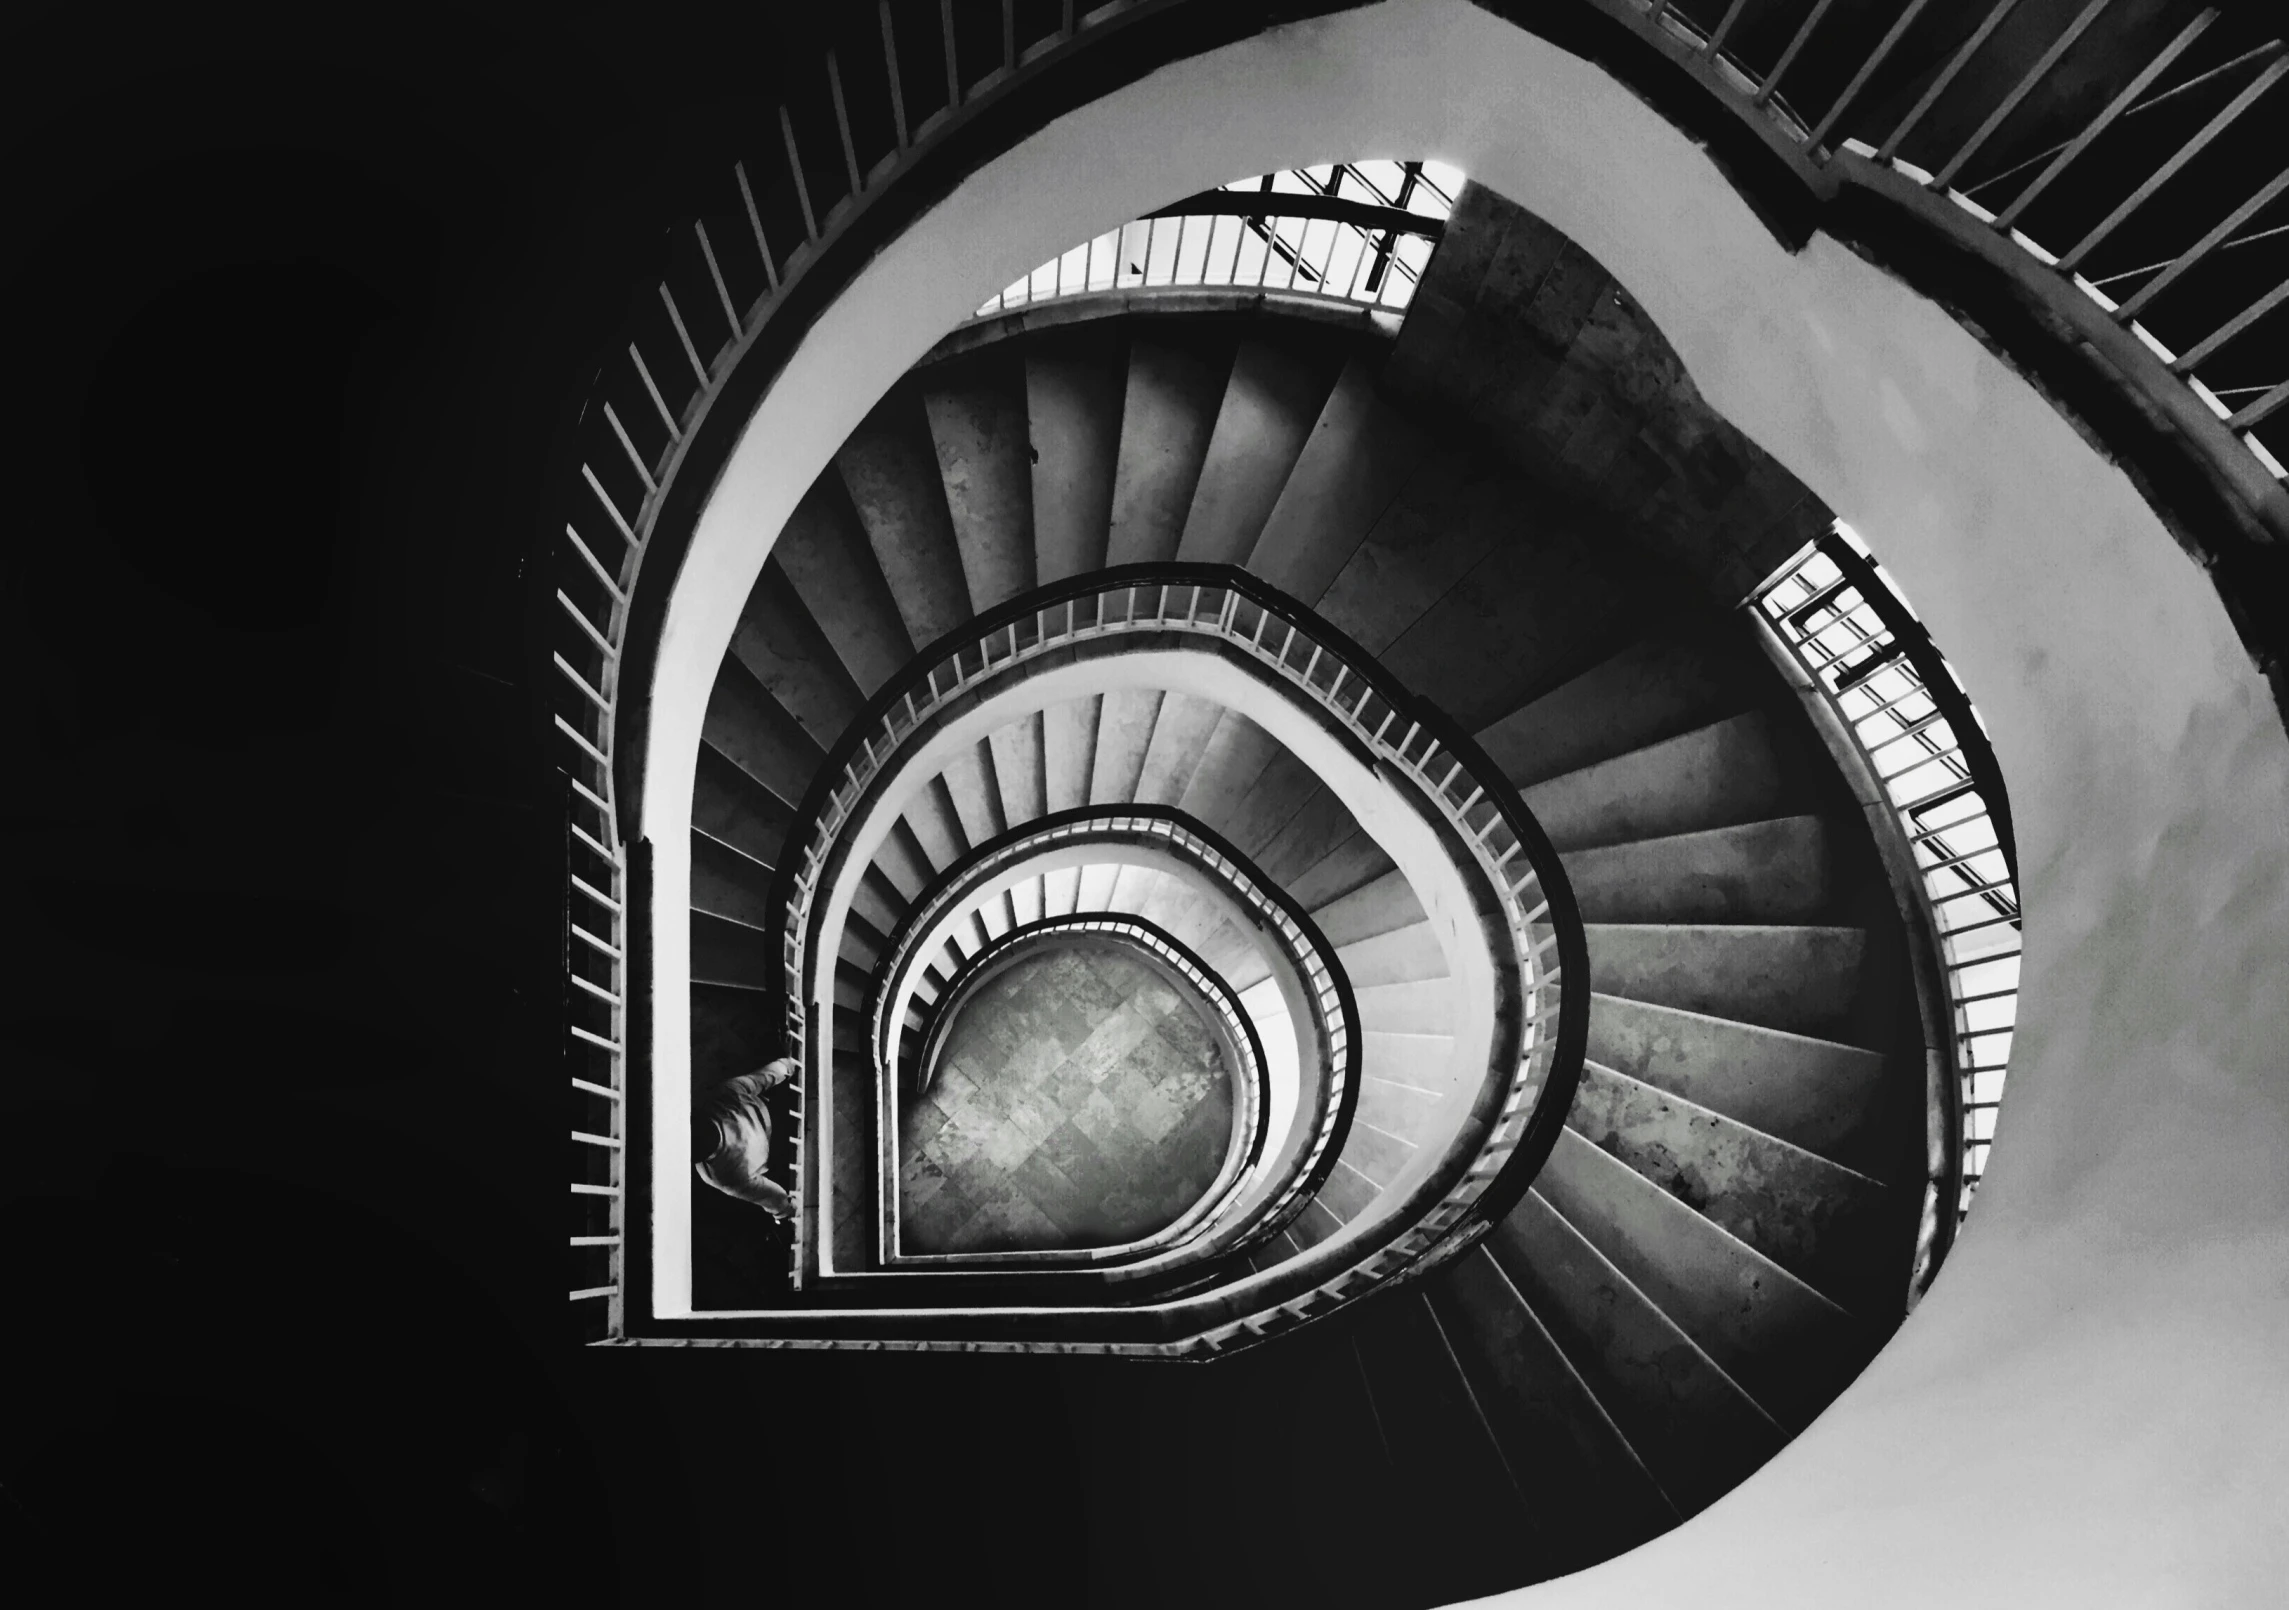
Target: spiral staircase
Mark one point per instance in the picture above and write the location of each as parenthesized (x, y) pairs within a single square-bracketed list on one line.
[(1578, 1251)]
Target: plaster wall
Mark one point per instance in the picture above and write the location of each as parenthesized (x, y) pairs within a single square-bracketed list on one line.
[(2092, 1405)]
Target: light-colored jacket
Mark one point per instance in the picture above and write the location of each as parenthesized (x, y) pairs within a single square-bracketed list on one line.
[(743, 1153)]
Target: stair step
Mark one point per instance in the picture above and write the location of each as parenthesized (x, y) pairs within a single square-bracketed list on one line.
[(1653, 690), (978, 425), (1805, 980), (727, 952), (1125, 720), (1721, 775), (1025, 901), (891, 469), (1019, 765), (937, 827), (1355, 861), (1824, 1223), (877, 899), (1360, 452), (901, 861), (1068, 751), (1322, 820), (831, 567), (733, 1031), (975, 792), (1280, 789), (1588, 1493), (1699, 1434), (1168, 412), (1452, 510), (1817, 1094), (1789, 1347), (1180, 733), (1774, 871), (1419, 1006), (1533, 607), (726, 883), (1377, 1153), (728, 804), (789, 655), (1398, 956), (1271, 400), (1440, 1442), (1423, 1063), (747, 726), (1073, 387), (1235, 757), (1381, 906)]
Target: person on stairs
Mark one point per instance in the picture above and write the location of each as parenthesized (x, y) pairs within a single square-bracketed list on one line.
[(731, 1138)]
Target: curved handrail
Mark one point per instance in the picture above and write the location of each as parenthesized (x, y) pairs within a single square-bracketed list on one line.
[(1520, 1105), (1887, 700), (1301, 943), (1166, 951)]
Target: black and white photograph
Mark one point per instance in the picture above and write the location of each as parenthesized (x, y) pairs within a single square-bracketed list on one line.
[(1171, 803)]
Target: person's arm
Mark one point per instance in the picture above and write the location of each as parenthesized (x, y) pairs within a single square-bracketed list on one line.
[(773, 1199)]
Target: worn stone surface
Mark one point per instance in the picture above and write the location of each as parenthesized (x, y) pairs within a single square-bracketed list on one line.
[(1812, 1093), (1082, 1103), (1268, 409), (1168, 413), (1806, 979), (1812, 1217), (977, 414), (1771, 871)]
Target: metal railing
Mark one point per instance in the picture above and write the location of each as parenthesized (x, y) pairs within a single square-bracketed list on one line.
[(1159, 828), (1347, 233), (1249, 1077), (1891, 689), (2148, 148), (1221, 608)]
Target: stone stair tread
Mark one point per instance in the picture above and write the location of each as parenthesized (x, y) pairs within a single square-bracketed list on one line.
[(1073, 391), (978, 426), (793, 659), (1697, 1431), (1788, 1346), (1168, 412), (827, 560), (1814, 1217), (891, 468), (1657, 688), (1803, 979), (1820, 1094), (1589, 1506), (1359, 453), (1721, 775), (1776, 870), (1271, 399)]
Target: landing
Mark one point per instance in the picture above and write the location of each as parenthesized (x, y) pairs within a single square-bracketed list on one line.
[(1082, 1103)]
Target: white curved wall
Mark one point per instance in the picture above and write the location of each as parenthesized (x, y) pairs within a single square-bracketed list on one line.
[(2092, 1406)]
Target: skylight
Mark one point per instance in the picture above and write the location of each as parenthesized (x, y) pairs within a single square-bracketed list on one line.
[(1372, 256)]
